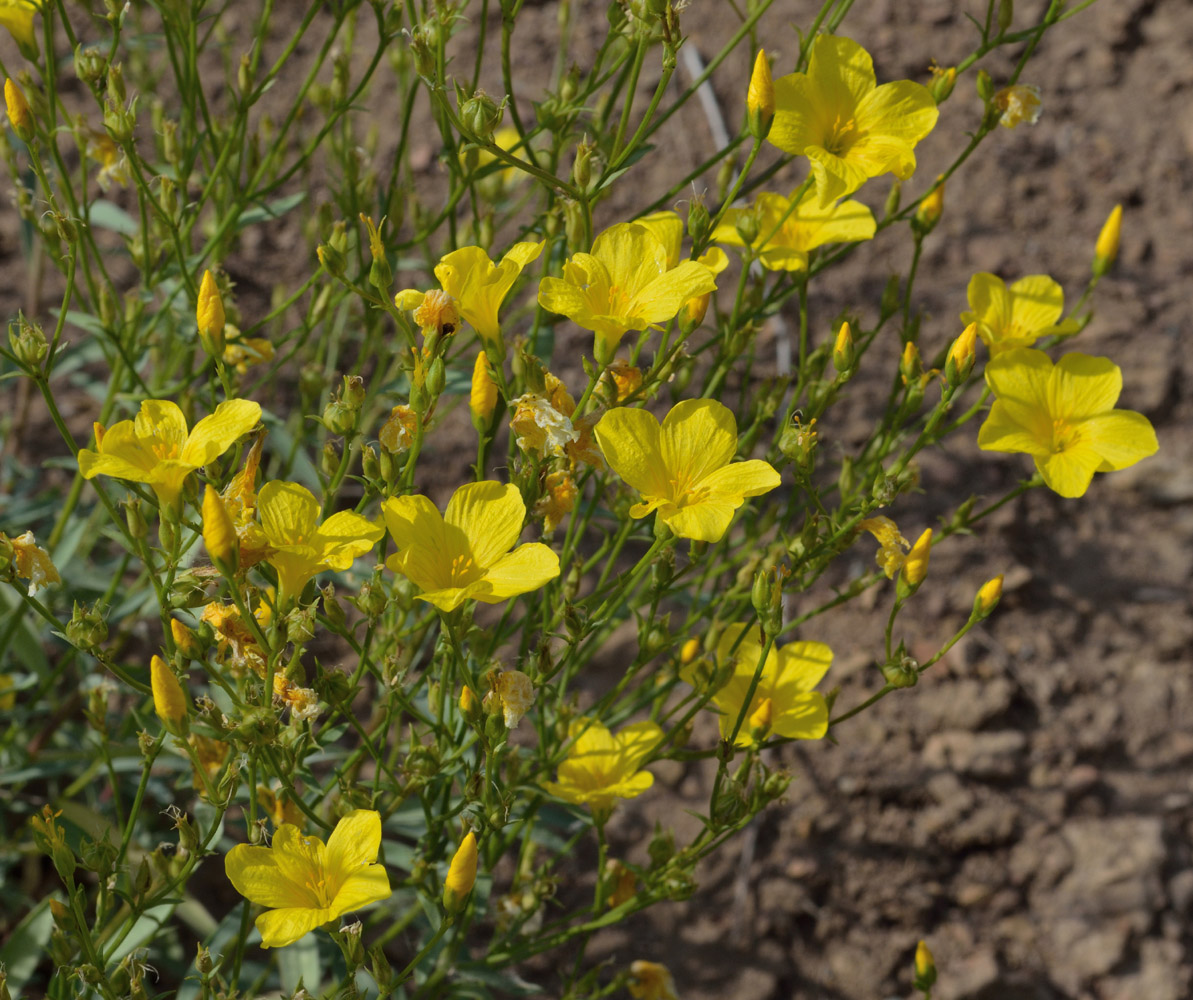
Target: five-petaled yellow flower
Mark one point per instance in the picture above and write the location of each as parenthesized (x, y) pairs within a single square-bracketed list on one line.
[(626, 283), (478, 286), (299, 546), (683, 469), (802, 230), (155, 448), (784, 703), (307, 883), (1017, 316), (1063, 415), (601, 767), (848, 127), (464, 553)]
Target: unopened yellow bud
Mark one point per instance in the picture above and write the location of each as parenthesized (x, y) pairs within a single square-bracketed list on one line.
[(760, 98), (844, 353), (689, 651), (910, 365), (185, 639), (989, 594), (483, 399), (925, 967), (915, 567), (929, 212), (469, 706), (1106, 249), (219, 533), (461, 875), (209, 316), (959, 362), (19, 115), (169, 700)]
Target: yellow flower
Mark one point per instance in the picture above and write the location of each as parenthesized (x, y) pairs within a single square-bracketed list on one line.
[(601, 767), (278, 806), (892, 544), (301, 546), (683, 469), (464, 554), (784, 702), (625, 283), (243, 352), (807, 227), (169, 698), (113, 164), (306, 883), (1018, 104), (19, 116), (1063, 415), (849, 128), (477, 286), (17, 17), (32, 562), (235, 642), (516, 694), (461, 874), (156, 449), (539, 427), (1017, 316), (302, 702), (651, 981), (620, 381)]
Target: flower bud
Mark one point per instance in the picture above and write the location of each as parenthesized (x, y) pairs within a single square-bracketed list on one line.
[(1106, 249), (985, 86), (582, 165), (925, 965), (219, 533), (483, 399), (28, 342), (959, 362), (461, 875), (87, 628), (185, 640), (689, 651), (760, 98), (169, 699), (910, 365), (19, 116), (760, 719), (747, 227), (481, 115), (902, 671), (424, 54), (90, 65), (943, 82), (844, 353), (340, 418), (989, 594), (915, 567), (1006, 14), (332, 259), (930, 209), (209, 316), (470, 708)]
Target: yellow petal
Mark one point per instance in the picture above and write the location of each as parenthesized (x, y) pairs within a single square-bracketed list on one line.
[(1037, 303), (215, 434), (835, 176), (409, 299), (797, 124), (742, 479), (802, 665), (344, 536), (667, 228), (255, 874), (842, 72), (901, 110), (161, 420), (1003, 432), (1083, 386), (636, 742), (353, 844), (524, 253), (697, 437), (282, 927), (527, 568), (363, 888), (630, 441), (663, 297), (633, 257), (706, 521), (1120, 438), (990, 301), (804, 717), (289, 512), (1069, 472), (490, 515)]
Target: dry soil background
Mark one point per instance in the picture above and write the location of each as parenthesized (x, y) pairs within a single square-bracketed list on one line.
[(1028, 808)]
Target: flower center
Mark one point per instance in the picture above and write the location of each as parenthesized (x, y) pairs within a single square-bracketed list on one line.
[(164, 450), (317, 883), (462, 570), (619, 301), (1064, 435), (841, 136)]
